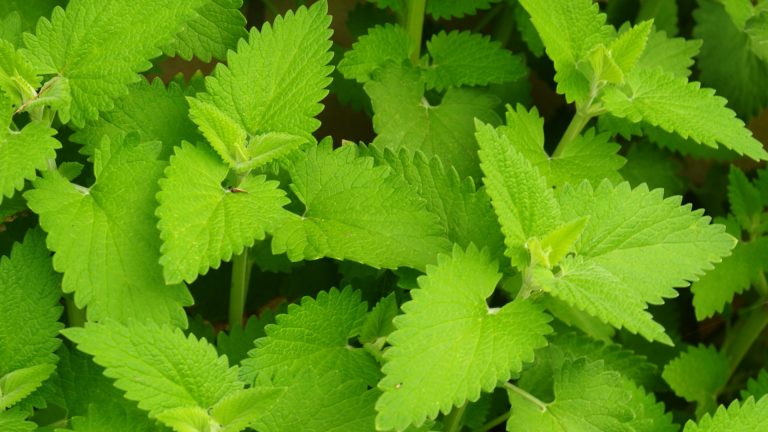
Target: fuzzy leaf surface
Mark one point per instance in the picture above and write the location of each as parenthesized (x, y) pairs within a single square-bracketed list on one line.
[(158, 366), (217, 28), (676, 105), (357, 212), (105, 239), (99, 52), (314, 335), (469, 59), (449, 345), (404, 118), (674, 55), (16, 385), (747, 416), (373, 50)]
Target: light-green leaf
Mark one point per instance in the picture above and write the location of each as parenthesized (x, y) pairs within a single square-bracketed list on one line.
[(449, 345), (747, 416), (373, 50), (698, 375), (16, 385), (105, 239), (216, 29)]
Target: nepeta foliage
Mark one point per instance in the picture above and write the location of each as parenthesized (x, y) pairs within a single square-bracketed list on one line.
[(507, 246)]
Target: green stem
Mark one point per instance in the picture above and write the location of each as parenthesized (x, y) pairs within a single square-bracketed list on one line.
[(414, 26), (744, 334), (238, 291), (75, 315), (495, 422), (579, 121), (453, 419), (762, 285), (527, 396), (504, 28)]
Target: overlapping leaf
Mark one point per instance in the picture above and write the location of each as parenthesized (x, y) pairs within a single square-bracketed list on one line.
[(756, 387), (380, 45), (747, 416), (698, 375), (449, 345), (457, 8), (105, 239), (217, 28)]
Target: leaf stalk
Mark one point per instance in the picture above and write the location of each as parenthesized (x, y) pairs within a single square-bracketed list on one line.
[(414, 26), (238, 291)]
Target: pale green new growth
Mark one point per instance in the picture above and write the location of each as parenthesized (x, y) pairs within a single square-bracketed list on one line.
[(355, 211), (158, 366), (698, 375), (732, 276), (30, 294), (405, 118), (524, 204), (105, 239), (22, 152), (449, 345), (749, 416), (17, 77), (627, 49), (588, 397), (201, 222), (314, 335), (93, 47), (217, 28), (225, 135), (464, 58), (380, 45), (676, 105), (276, 79)]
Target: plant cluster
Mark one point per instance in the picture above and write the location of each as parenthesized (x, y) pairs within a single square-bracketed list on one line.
[(477, 264)]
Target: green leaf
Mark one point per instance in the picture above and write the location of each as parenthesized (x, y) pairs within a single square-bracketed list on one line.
[(277, 78), (152, 110), (99, 52), (217, 28), (655, 167), (17, 77), (380, 45), (756, 387), (202, 222), (157, 366), (663, 12), (29, 11), (378, 322), (23, 152), (15, 421), (105, 239), (569, 30), (734, 79), (313, 402), (225, 135), (16, 385), (698, 375), (465, 212), (30, 309), (111, 416), (524, 204), (357, 212), (449, 345), (315, 335), (560, 241), (404, 118), (683, 107), (747, 416), (238, 410), (465, 58), (630, 45), (239, 340), (673, 55), (745, 199), (457, 8), (757, 29), (589, 397)]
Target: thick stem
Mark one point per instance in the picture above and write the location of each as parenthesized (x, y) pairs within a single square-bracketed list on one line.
[(75, 315), (414, 25), (579, 121), (744, 334), (453, 419), (527, 396), (495, 422), (238, 291)]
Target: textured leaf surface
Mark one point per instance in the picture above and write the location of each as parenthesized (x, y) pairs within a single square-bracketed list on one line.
[(105, 239), (217, 27), (524, 204), (99, 52), (201, 222), (16, 385), (30, 306), (732, 276), (154, 111), (683, 107), (314, 402), (674, 55), (275, 80), (449, 345), (15, 421), (315, 335), (569, 30), (357, 212), (22, 152), (111, 416), (590, 398), (157, 366), (698, 375), (748, 416), (465, 58), (380, 45), (404, 118)]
